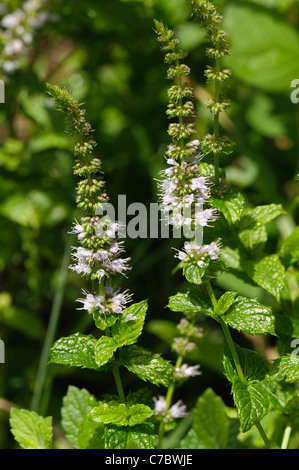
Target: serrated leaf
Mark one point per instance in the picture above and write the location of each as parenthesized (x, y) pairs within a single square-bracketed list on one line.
[(268, 273), (253, 239), (76, 350), (210, 421), (190, 441), (30, 430), (139, 413), (259, 215), (76, 404), (109, 413), (230, 203), (286, 368), (127, 332), (190, 302), (120, 414), (254, 366), (252, 402), (250, 316), (146, 365), (194, 273), (90, 434), (289, 249), (104, 350), (225, 301), (141, 436), (102, 322)]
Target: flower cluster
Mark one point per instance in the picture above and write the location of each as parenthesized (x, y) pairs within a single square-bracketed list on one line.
[(18, 29), (218, 48), (185, 192), (97, 258)]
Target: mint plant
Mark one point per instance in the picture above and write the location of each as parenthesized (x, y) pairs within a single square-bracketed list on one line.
[(223, 234)]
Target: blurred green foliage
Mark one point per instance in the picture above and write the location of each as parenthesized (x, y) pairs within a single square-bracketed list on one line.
[(105, 52)]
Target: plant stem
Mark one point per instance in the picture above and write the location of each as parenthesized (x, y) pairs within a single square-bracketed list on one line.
[(286, 437), (216, 121), (168, 399), (234, 353), (119, 384), (51, 330), (116, 374)]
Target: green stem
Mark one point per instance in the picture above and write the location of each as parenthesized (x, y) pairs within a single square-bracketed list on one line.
[(119, 384), (216, 121), (234, 353), (116, 374), (286, 437), (168, 400), (51, 330)]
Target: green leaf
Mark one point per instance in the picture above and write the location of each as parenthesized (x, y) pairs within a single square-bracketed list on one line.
[(141, 436), (190, 441), (120, 414), (76, 404), (139, 413), (289, 249), (146, 365), (251, 395), (269, 273), (254, 366), (260, 215), (76, 350), (190, 302), (286, 368), (264, 47), (193, 273), (230, 203), (210, 421), (225, 301), (110, 413), (254, 239), (126, 331), (252, 402), (90, 434), (104, 350), (30, 430), (250, 316), (102, 322)]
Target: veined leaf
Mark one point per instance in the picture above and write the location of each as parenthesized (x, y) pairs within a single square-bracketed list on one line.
[(76, 350), (289, 249), (104, 350), (252, 402), (286, 368), (141, 436), (146, 365), (260, 215), (225, 301), (268, 273), (194, 273), (230, 203), (120, 414), (250, 316), (254, 366), (210, 421), (126, 331), (76, 404), (30, 430), (190, 302)]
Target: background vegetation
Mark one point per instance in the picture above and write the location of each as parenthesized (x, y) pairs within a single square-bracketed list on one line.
[(106, 53)]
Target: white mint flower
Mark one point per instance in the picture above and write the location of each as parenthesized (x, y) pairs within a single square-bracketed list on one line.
[(178, 410), (186, 371)]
